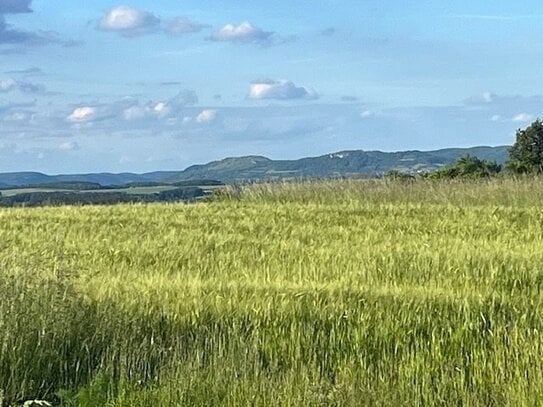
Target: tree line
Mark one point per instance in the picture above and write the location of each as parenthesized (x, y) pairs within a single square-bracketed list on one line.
[(57, 198), (525, 158)]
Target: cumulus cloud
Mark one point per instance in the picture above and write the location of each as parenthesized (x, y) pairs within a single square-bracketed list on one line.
[(242, 33), (279, 89), (135, 113), (128, 21), (160, 109), (182, 25), (9, 85), (152, 109), (82, 114), (206, 116)]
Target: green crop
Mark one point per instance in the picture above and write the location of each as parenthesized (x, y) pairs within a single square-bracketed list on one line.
[(304, 294)]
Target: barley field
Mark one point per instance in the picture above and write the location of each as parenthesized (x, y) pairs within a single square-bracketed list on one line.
[(344, 293)]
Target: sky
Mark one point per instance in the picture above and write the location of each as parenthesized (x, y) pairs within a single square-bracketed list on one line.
[(144, 85)]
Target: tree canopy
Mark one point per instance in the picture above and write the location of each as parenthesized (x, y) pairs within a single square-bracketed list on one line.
[(526, 155), (468, 166)]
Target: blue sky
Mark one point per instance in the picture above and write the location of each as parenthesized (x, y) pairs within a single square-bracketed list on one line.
[(156, 85)]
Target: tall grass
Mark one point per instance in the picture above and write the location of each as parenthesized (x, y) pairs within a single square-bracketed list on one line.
[(328, 293)]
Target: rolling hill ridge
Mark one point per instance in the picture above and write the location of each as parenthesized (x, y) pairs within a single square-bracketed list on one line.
[(254, 168)]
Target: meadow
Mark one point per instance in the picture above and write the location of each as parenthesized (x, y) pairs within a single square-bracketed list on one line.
[(346, 293)]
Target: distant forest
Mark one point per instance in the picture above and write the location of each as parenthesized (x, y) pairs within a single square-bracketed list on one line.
[(99, 197)]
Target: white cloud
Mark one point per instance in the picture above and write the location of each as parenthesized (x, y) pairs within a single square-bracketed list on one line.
[(161, 109), (523, 117), (483, 99), (9, 85), (367, 113), (206, 116), (165, 109), (128, 21), (182, 25), (244, 32), (495, 118), (281, 89), (489, 97), (69, 146), (17, 117), (82, 114), (134, 113)]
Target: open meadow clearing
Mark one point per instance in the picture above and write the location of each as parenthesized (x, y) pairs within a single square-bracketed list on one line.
[(327, 293)]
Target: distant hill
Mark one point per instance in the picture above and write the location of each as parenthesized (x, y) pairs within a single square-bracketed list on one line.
[(37, 178), (344, 163)]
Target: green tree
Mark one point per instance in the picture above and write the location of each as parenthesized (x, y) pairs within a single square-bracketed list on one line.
[(526, 155), (468, 166)]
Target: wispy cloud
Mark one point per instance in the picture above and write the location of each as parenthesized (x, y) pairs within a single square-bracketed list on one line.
[(495, 17), (10, 85), (183, 25), (15, 6), (14, 40), (28, 71), (523, 118)]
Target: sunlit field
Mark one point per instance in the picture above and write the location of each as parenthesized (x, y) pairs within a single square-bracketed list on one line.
[(326, 293)]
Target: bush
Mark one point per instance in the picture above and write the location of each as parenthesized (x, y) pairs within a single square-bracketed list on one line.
[(469, 167), (399, 176)]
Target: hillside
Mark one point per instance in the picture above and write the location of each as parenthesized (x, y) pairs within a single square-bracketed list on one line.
[(344, 163), (37, 178)]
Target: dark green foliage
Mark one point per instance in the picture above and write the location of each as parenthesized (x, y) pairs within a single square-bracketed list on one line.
[(181, 194), (526, 155), (467, 167), (70, 186), (98, 198), (198, 182), (399, 176), (54, 341), (69, 198), (142, 184)]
